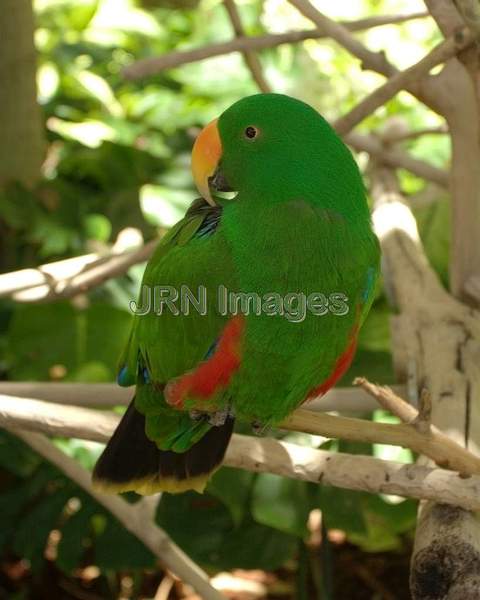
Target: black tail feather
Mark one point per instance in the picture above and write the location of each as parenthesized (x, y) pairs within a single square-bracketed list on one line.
[(131, 461)]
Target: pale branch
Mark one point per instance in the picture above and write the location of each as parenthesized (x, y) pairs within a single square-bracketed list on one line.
[(267, 455), (437, 446), (17, 281), (351, 471), (251, 59), (440, 54), (389, 400), (376, 61), (71, 277), (105, 395), (138, 518), (397, 158), (150, 66), (75, 422), (441, 337)]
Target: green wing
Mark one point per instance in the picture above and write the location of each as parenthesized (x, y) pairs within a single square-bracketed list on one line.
[(192, 260)]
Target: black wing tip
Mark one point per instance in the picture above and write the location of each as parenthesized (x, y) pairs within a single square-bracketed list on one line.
[(132, 462)]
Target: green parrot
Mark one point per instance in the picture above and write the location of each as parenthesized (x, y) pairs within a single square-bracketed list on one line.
[(258, 299)]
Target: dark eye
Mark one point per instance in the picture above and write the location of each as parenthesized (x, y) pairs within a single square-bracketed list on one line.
[(251, 132)]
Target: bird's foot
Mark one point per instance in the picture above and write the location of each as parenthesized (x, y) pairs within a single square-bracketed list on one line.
[(258, 427), (216, 418)]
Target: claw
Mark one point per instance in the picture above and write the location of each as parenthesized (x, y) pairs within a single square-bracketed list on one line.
[(258, 427), (219, 417)]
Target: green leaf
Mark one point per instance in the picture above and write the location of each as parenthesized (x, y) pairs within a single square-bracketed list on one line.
[(281, 503), (254, 546), (75, 538), (87, 343), (197, 523), (232, 487), (116, 548), (341, 509), (34, 528)]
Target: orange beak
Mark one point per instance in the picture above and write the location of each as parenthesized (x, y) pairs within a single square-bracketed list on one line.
[(206, 154)]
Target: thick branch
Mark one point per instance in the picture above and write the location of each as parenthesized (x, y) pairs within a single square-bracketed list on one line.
[(440, 54), (440, 338), (150, 66), (281, 458), (251, 59), (137, 518)]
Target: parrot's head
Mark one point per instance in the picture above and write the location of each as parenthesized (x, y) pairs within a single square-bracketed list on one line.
[(278, 148)]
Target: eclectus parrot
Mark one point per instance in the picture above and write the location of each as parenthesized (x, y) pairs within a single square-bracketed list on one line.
[(298, 228)]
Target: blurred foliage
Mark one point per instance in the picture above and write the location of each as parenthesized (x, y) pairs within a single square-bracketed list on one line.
[(118, 157)]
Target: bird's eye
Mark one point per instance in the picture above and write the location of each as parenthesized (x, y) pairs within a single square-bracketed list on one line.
[(251, 132)]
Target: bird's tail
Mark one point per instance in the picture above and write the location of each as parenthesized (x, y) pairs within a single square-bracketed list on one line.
[(132, 462)]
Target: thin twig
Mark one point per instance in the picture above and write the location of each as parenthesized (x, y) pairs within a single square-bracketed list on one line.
[(133, 517), (251, 59), (150, 66), (440, 54)]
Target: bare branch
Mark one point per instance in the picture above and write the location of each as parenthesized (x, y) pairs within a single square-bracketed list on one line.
[(136, 518), (105, 395), (76, 422), (440, 54), (68, 278), (397, 158), (150, 66), (375, 61), (273, 456), (441, 337), (251, 59), (436, 445), (17, 281)]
